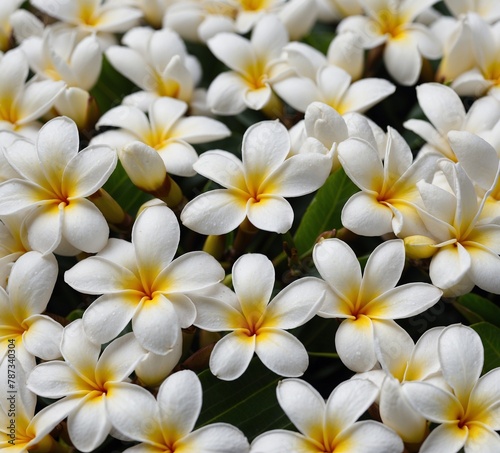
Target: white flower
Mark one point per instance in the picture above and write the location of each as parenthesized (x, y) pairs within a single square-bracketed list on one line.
[(56, 179), (12, 245), (468, 413), (253, 63), (86, 381), (21, 103), (255, 186), (165, 129), (465, 249), (104, 17), (158, 63), (330, 426), (140, 282), (392, 23), (7, 8), (166, 423), (445, 112), (403, 361), (257, 324), (369, 303), (28, 291), (386, 202)]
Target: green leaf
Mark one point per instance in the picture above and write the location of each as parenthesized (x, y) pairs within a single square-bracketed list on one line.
[(476, 309), (249, 402), (490, 336), (323, 213)]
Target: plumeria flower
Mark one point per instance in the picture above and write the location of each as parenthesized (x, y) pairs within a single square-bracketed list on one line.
[(403, 361), (12, 245), (392, 23), (21, 103), (335, 10), (165, 129), (86, 380), (59, 55), (463, 248), (332, 85), (30, 285), (103, 17), (255, 186), (330, 426), (27, 431), (369, 303), (158, 63), (7, 8), (257, 324), (140, 282), (483, 77), (446, 112), (468, 413), (254, 64), (166, 424), (56, 179), (386, 202)]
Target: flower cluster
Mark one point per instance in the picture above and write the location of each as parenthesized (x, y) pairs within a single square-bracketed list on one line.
[(250, 226)]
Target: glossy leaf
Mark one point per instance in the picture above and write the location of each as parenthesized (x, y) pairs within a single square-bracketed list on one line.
[(490, 336), (476, 309)]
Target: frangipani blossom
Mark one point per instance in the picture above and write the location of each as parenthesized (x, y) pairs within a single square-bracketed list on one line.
[(403, 361), (254, 65), (30, 285), (158, 63), (166, 424), (469, 412), (165, 129), (463, 248), (446, 112), (27, 431), (12, 245), (368, 303), (140, 282), (86, 381), (258, 325), (21, 103), (103, 17), (331, 426), (56, 179), (255, 186), (386, 202), (405, 42)]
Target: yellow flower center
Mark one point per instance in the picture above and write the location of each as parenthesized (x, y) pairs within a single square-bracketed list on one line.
[(390, 23), (254, 5)]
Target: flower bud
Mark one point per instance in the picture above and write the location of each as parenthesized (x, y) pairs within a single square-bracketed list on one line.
[(419, 247)]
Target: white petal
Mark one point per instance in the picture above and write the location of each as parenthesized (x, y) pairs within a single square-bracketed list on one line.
[(86, 61), (84, 226), (55, 379), (424, 359), (220, 437), (233, 50), (156, 326), (347, 403), (198, 129), (449, 266), (482, 440), (108, 316), (271, 213), (461, 357), (355, 345), (281, 352), (231, 356), (164, 113), (178, 158), (89, 425), (118, 20), (325, 124), (179, 401), (484, 269), (383, 269), (484, 399), (37, 99), (155, 236), (296, 304), (298, 92), (78, 350), (299, 175), (363, 94), (281, 440), (402, 59), (225, 94), (303, 405), (445, 437), (339, 267), (222, 167), (215, 212), (44, 227), (31, 283), (43, 337), (364, 215), (269, 37), (132, 65), (128, 118), (442, 106)]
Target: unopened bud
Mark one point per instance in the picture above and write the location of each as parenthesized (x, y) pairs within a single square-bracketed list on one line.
[(419, 247)]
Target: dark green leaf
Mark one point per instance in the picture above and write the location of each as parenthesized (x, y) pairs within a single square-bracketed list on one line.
[(476, 309), (323, 213), (490, 336), (248, 402)]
